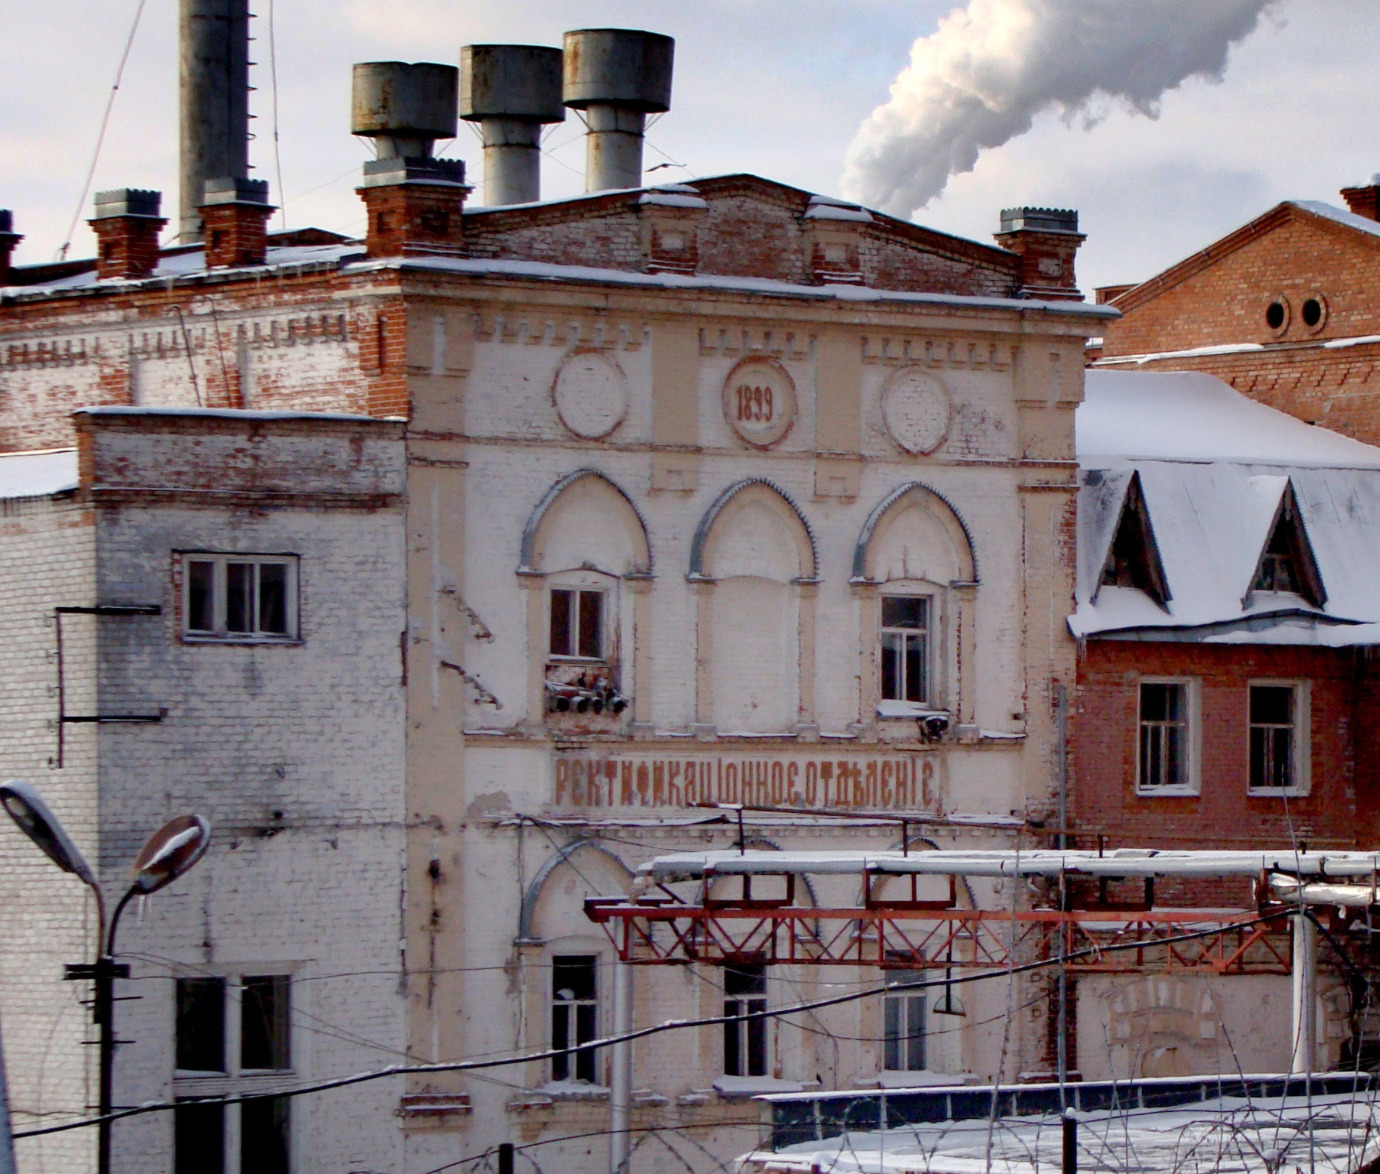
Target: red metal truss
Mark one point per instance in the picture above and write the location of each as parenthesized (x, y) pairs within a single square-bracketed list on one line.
[(664, 930)]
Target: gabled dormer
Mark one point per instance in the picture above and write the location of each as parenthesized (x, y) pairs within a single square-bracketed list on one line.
[(1286, 561), (1133, 558)]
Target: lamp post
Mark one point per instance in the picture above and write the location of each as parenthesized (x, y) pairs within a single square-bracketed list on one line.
[(166, 855)]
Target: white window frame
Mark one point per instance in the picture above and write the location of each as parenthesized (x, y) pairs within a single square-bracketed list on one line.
[(196, 1084), (744, 1027), (572, 1061), (894, 708), (219, 633), (1301, 764), (1193, 689), (905, 998), (606, 620)]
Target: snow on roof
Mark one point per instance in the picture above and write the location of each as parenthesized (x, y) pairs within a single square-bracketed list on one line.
[(1328, 1134), (1214, 467), (38, 474), (1340, 215)]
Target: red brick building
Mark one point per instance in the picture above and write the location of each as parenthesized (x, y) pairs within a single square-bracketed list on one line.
[(1226, 617), (1286, 309)]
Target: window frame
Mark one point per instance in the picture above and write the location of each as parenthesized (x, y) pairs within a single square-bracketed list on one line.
[(1302, 732), (905, 997), (220, 632), (574, 1061), (752, 1035), (1192, 751), (234, 1078), (578, 590), (933, 638)]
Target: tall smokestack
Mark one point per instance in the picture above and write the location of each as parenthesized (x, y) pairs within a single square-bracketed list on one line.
[(617, 77), (215, 102), (511, 90)]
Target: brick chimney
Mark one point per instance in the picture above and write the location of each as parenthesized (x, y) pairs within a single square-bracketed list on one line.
[(127, 224), (414, 207), (234, 215), (1365, 199), (1046, 240), (8, 239)]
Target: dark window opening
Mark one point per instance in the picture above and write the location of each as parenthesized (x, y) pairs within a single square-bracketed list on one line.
[(1272, 737), (199, 1138), (574, 1016), (240, 597), (1275, 315), (1133, 559), (265, 1038), (264, 1136), (905, 648), (745, 1040), (1164, 735), (903, 1026), (200, 1026), (1286, 563), (1312, 312), (577, 624)]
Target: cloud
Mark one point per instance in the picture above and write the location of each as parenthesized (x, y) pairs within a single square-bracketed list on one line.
[(983, 76)]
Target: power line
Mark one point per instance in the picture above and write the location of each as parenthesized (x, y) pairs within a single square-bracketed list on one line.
[(642, 1033)]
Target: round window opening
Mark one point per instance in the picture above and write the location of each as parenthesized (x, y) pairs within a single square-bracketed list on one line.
[(1312, 312), (1274, 315)]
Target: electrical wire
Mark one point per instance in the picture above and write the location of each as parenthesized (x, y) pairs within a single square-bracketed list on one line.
[(645, 1032), (277, 152)]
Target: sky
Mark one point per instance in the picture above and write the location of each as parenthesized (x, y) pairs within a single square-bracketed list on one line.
[(1156, 166)]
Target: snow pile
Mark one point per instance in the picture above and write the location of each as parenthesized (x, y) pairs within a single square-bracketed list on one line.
[(38, 474)]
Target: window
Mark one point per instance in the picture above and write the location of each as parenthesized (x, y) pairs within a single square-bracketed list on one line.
[(1287, 563), (230, 1036), (1278, 737), (1166, 759), (574, 1015), (745, 1040), (577, 623), (1133, 559), (903, 1024), (239, 597), (905, 648)]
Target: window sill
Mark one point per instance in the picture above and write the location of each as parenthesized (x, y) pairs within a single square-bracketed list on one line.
[(194, 638), (742, 1087), (909, 710), (1167, 792), (573, 1090), (1276, 793), (922, 1078)]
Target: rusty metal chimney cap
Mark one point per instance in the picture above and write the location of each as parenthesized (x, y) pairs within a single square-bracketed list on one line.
[(630, 68), (511, 81), (232, 190), (404, 99)]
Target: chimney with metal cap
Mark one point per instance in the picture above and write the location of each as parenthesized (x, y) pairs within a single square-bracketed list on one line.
[(235, 213), (1364, 199), (414, 200), (127, 224), (617, 77), (511, 90), (215, 102), (1046, 240), (8, 239)]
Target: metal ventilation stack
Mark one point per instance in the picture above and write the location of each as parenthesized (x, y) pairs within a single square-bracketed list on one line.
[(214, 85), (403, 107), (617, 77), (511, 91)]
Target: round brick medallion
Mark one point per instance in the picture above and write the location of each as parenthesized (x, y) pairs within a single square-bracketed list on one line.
[(915, 407), (759, 402), (591, 394)]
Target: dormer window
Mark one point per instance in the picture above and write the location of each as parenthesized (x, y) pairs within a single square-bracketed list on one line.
[(1133, 560), (1287, 563)]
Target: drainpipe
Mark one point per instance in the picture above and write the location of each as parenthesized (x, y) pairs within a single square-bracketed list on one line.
[(1305, 994), (6, 1148), (620, 1078)]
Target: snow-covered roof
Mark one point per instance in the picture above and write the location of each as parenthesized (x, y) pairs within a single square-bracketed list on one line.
[(38, 474), (1214, 468)]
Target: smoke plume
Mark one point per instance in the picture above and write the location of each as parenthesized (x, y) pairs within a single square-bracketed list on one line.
[(991, 67)]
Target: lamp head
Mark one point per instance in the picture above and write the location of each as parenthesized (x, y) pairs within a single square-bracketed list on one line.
[(170, 852), (29, 811)]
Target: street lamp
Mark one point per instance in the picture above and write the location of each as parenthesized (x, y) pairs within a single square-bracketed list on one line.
[(166, 855)]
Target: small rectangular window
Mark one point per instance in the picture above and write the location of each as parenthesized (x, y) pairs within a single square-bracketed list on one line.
[(240, 597), (200, 1027), (1166, 749), (264, 1136), (905, 648), (198, 1138), (577, 623), (574, 1015), (265, 1042), (1276, 738), (745, 1040), (903, 1027)]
